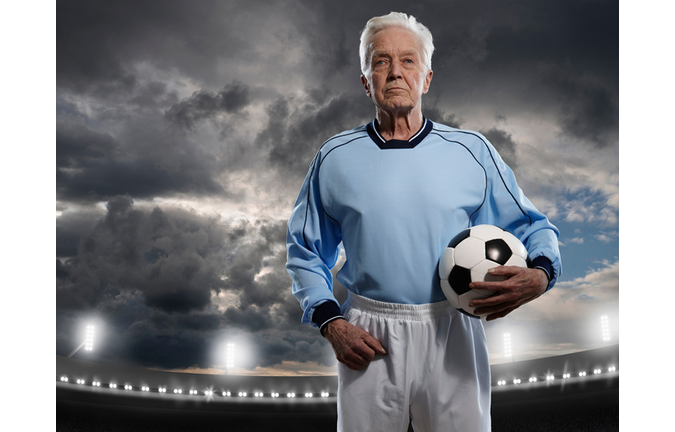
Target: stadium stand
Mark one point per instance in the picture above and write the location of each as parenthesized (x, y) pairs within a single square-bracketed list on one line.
[(587, 399)]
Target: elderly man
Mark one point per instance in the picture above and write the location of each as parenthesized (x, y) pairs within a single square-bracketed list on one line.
[(394, 192)]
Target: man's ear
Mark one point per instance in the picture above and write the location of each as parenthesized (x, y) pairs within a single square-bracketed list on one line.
[(427, 81), (366, 86)]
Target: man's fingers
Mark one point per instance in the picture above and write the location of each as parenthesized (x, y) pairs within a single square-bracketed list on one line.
[(505, 270), (375, 345)]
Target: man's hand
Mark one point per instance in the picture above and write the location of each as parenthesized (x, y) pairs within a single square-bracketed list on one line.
[(521, 286), (353, 347)]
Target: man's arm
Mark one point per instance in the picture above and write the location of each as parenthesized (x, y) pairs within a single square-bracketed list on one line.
[(506, 206), (312, 242)]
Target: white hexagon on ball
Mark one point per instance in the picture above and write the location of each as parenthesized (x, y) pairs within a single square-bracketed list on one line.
[(469, 252)]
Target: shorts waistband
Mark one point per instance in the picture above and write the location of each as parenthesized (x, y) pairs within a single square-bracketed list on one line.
[(415, 312)]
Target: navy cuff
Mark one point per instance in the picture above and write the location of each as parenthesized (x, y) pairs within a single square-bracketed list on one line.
[(325, 313), (541, 262)]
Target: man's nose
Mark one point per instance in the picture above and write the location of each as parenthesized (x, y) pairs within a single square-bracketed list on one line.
[(394, 71)]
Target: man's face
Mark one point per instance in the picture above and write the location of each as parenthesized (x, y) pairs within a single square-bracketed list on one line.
[(398, 77)]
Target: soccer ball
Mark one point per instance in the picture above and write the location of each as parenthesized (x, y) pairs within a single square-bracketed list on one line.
[(469, 256)]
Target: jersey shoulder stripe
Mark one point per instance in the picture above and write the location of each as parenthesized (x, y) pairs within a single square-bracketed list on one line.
[(342, 139), (472, 138)]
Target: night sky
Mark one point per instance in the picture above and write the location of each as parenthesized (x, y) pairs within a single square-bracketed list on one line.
[(184, 131)]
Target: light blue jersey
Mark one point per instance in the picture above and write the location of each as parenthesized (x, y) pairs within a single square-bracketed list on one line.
[(395, 205)]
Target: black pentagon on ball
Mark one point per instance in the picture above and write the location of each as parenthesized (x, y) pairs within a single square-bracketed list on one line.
[(498, 251), (459, 279), (459, 237)]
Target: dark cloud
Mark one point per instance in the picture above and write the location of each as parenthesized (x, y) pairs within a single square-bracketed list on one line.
[(580, 34), (589, 108), (297, 128), (98, 42), (94, 165), (76, 144), (150, 274), (174, 259), (205, 104), (504, 144), (70, 227), (438, 115)]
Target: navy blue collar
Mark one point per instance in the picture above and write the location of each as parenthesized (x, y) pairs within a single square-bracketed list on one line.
[(398, 144)]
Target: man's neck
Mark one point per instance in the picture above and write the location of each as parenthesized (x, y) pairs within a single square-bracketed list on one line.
[(399, 127)]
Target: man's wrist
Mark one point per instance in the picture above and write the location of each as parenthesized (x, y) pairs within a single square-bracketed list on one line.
[(544, 264), (325, 325), (325, 313)]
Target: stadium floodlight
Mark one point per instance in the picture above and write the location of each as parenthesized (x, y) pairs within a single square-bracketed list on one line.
[(604, 323), (88, 342), (508, 353), (229, 357), (89, 339)]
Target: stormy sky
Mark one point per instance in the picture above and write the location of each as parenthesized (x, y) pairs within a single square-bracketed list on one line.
[(184, 131)]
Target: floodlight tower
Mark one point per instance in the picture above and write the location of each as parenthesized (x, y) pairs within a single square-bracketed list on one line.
[(508, 353), (88, 343), (604, 323), (229, 357)]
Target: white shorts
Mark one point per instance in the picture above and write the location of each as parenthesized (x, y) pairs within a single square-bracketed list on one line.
[(436, 371)]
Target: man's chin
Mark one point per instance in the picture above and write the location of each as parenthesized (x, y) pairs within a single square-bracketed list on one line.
[(397, 104)]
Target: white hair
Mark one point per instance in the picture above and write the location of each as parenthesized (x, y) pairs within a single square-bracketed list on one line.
[(395, 19)]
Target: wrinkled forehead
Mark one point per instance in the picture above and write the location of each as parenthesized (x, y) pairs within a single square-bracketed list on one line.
[(395, 41)]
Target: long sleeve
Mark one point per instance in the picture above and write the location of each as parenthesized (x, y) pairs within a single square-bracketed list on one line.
[(506, 206), (312, 242)]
